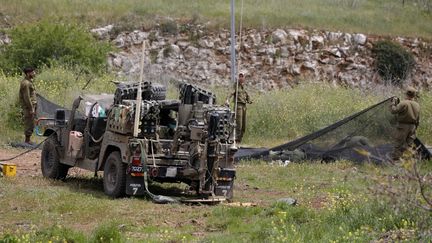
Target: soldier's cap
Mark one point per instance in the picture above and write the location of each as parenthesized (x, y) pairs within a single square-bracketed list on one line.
[(241, 74), (411, 92), (28, 69)]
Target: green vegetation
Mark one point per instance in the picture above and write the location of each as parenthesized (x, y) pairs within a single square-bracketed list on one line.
[(45, 43), (336, 202), (392, 61), (60, 84), (384, 17)]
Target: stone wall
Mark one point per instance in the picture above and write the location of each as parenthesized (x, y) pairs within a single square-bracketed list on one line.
[(270, 58)]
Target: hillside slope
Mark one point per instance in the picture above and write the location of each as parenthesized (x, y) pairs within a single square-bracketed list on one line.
[(384, 17)]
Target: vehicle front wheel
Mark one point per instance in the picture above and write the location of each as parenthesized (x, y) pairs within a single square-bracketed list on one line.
[(50, 162), (114, 179)]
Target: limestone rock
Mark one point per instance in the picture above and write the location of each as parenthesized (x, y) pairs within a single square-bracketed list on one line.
[(183, 44), (317, 42), (359, 39), (279, 35), (137, 37), (256, 39), (206, 43), (191, 52), (102, 33)]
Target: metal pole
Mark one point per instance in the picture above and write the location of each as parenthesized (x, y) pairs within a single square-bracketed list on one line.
[(233, 42), (139, 98), (233, 66)]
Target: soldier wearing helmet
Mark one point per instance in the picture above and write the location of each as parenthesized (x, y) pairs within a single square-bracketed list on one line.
[(28, 101), (408, 117), (242, 98)]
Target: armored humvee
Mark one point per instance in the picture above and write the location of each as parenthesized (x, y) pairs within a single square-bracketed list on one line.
[(188, 140)]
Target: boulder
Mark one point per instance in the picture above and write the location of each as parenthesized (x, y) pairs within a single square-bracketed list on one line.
[(191, 52), (271, 51), (294, 34), (206, 43), (256, 39), (294, 70), (279, 35), (102, 33), (121, 40), (137, 37), (174, 51), (359, 39), (183, 44), (317, 42), (284, 51), (334, 36)]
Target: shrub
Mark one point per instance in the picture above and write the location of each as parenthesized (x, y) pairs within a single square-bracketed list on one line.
[(45, 42), (169, 27), (392, 61)]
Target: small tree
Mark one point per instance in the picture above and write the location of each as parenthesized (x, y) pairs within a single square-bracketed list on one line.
[(46, 42)]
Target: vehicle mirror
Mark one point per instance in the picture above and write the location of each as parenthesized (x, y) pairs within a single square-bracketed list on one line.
[(60, 117)]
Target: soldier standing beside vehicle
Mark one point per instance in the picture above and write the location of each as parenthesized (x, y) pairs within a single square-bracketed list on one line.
[(28, 101), (242, 98), (408, 117)]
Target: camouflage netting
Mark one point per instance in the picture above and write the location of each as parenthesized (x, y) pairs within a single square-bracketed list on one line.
[(364, 136), (46, 108)]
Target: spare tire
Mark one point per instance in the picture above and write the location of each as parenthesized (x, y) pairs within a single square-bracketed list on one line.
[(158, 91)]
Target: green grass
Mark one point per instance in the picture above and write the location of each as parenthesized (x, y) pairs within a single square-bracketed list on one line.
[(334, 204), (383, 17)]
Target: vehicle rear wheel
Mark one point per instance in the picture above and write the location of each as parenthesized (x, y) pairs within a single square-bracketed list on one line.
[(114, 176), (50, 162)]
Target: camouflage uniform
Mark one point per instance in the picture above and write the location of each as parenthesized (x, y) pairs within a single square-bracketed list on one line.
[(408, 116), (27, 98), (243, 99)]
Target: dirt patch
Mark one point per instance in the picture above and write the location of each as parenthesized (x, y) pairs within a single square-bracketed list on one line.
[(27, 164), (319, 202)]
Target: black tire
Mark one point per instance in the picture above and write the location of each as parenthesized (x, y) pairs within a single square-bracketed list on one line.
[(50, 162), (158, 92), (114, 179)]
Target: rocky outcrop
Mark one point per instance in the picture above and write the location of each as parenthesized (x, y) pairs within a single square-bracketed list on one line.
[(271, 59), (4, 39)]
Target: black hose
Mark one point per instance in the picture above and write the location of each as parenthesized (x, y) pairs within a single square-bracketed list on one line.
[(28, 151)]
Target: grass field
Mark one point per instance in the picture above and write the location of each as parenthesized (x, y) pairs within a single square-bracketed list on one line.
[(383, 17), (335, 204)]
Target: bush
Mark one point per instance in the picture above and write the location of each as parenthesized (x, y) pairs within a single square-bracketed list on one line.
[(46, 42), (169, 27), (392, 61)]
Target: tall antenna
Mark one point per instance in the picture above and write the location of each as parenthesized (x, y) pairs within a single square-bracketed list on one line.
[(233, 42), (233, 65)]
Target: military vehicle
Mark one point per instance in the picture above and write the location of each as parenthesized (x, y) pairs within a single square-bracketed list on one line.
[(188, 140)]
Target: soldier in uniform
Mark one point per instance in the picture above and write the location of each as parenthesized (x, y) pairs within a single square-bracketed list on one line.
[(408, 116), (27, 98), (242, 98)]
